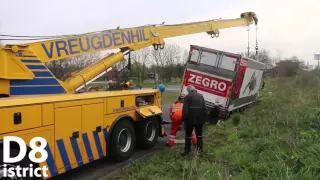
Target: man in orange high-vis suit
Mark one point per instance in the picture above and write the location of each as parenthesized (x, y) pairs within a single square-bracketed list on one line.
[(176, 118)]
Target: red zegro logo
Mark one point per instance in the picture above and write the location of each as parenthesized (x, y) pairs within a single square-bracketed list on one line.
[(207, 83)]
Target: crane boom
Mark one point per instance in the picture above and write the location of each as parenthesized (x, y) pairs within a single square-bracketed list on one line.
[(112, 39), (22, 69), (211, 26)]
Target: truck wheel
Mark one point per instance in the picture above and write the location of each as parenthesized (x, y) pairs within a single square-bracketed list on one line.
[(214, 121), (228, 115), (147, 133), (122, 142), (25, 162)]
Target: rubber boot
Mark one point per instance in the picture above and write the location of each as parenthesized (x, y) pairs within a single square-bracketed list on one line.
[(187, 147), (200, 144), (171, 142)]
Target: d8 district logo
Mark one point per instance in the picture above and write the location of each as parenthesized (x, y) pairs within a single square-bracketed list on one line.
[(9, 170)]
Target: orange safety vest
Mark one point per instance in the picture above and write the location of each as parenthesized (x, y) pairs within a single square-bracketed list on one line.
[(176, 112)]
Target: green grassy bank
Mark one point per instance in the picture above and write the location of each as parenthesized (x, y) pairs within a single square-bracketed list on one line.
[(278, 139)]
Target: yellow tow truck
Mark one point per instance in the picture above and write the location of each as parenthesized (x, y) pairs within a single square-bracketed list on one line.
[(80, 128)]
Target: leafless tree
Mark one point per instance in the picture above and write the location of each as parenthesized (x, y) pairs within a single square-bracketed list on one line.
[(172, 54), (279, 54), (165, 59), (62, 68), (141, 60), (80, 62), (262, 56), (276, 58), (157, 63), (185, 56), (122, 65), (290, 66), (157, 58)]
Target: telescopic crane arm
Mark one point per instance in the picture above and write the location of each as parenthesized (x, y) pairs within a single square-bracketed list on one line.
[(21, 65)]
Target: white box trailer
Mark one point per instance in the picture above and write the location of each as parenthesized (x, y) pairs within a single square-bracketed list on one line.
[(228, 78)]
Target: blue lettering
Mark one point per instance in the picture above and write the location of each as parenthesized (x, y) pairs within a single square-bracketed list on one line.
[(116, 38), (60, 48), (133, 36), (144, 36), (104, 40), (88, 44), (141, 35), (49, 54), (72, 46), (98, 42), (125, 35)]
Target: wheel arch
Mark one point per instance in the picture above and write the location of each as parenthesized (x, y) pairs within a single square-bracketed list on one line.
[(117, 120), (110, 150), (158, 118), (131, 119)]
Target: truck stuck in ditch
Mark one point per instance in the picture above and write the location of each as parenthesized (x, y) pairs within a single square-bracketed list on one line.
[(228, 81)]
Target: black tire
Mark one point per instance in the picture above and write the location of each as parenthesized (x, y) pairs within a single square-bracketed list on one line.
[(214, 121), (228, 115), (243, 109), (121, 132), (25, 162), (148, 132)]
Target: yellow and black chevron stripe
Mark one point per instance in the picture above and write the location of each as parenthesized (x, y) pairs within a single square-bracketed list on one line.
[(89, 147)]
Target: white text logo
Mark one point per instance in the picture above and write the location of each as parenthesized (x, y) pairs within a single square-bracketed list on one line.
[(9, 170), (206, 82)]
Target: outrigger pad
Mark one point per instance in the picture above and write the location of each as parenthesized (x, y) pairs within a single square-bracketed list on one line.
[(149, 111)]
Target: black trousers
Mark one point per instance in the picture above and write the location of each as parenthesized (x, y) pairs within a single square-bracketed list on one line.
[(214, 115), (188, 131)]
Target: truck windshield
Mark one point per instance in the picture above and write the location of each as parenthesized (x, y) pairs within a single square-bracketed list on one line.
[(213, 59)]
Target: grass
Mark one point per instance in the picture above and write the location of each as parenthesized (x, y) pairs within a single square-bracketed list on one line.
[(149, 83), (169, 97), (99, 85), (278, 139), (145, 84)]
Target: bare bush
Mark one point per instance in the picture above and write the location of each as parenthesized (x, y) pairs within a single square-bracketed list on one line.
[(165, 60), (289, 67), (62, 68), (262, 56)]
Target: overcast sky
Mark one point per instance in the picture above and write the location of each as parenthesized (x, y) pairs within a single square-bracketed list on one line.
[(288, 27)]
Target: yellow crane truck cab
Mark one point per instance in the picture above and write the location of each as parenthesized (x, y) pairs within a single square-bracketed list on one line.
[(81, 128)]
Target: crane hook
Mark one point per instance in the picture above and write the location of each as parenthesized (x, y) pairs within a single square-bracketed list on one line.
[(257, 48), (129, 63), (156, 46), (215, 35)]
